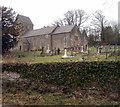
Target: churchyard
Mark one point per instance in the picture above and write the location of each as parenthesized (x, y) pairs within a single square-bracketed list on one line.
[(43, 72), (88, 78), (107, 53)]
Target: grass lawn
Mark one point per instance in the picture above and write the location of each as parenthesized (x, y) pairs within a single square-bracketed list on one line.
[(33, 57)]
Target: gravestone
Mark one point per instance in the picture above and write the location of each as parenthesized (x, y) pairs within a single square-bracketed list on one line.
[(66, 56), (98, 50), (82, 49), (48, 50)]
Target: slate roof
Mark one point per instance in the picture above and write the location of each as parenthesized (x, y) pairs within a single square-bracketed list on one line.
[(25, 19), (42, 31), (50, 30), (64, 29)]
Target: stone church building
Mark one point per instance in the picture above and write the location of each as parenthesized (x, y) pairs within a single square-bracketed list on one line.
[(50, 38)]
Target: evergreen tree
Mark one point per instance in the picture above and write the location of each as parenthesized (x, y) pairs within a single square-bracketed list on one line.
[(9, 31)]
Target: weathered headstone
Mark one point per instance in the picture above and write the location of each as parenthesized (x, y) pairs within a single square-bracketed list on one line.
[(82, 49)]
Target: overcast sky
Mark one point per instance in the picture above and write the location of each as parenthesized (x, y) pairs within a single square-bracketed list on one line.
[(44, 12)]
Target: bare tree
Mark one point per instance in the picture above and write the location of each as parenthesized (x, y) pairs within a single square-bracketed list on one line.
[(99, 22), (77, 17), (59, 23)]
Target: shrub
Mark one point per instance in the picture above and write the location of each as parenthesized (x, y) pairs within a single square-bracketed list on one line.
[(68, 74)]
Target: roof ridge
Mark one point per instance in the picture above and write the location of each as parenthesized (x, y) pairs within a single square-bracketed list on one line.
[(64, 29), (50, 30), (41, 31)]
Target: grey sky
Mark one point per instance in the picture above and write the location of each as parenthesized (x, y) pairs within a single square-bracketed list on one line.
[(44, 12)]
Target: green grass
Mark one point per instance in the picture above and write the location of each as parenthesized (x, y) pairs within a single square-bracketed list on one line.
[(56, 58), (34, 57), (102, 57), (30, 58), (27, 54)]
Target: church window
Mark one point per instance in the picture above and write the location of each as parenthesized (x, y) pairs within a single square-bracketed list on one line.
[(65, 39)]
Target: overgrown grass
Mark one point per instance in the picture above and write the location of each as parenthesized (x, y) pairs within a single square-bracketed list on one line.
[(35, 98), (16, 94)]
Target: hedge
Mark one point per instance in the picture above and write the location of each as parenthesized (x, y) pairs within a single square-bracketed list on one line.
[(68, 74)]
